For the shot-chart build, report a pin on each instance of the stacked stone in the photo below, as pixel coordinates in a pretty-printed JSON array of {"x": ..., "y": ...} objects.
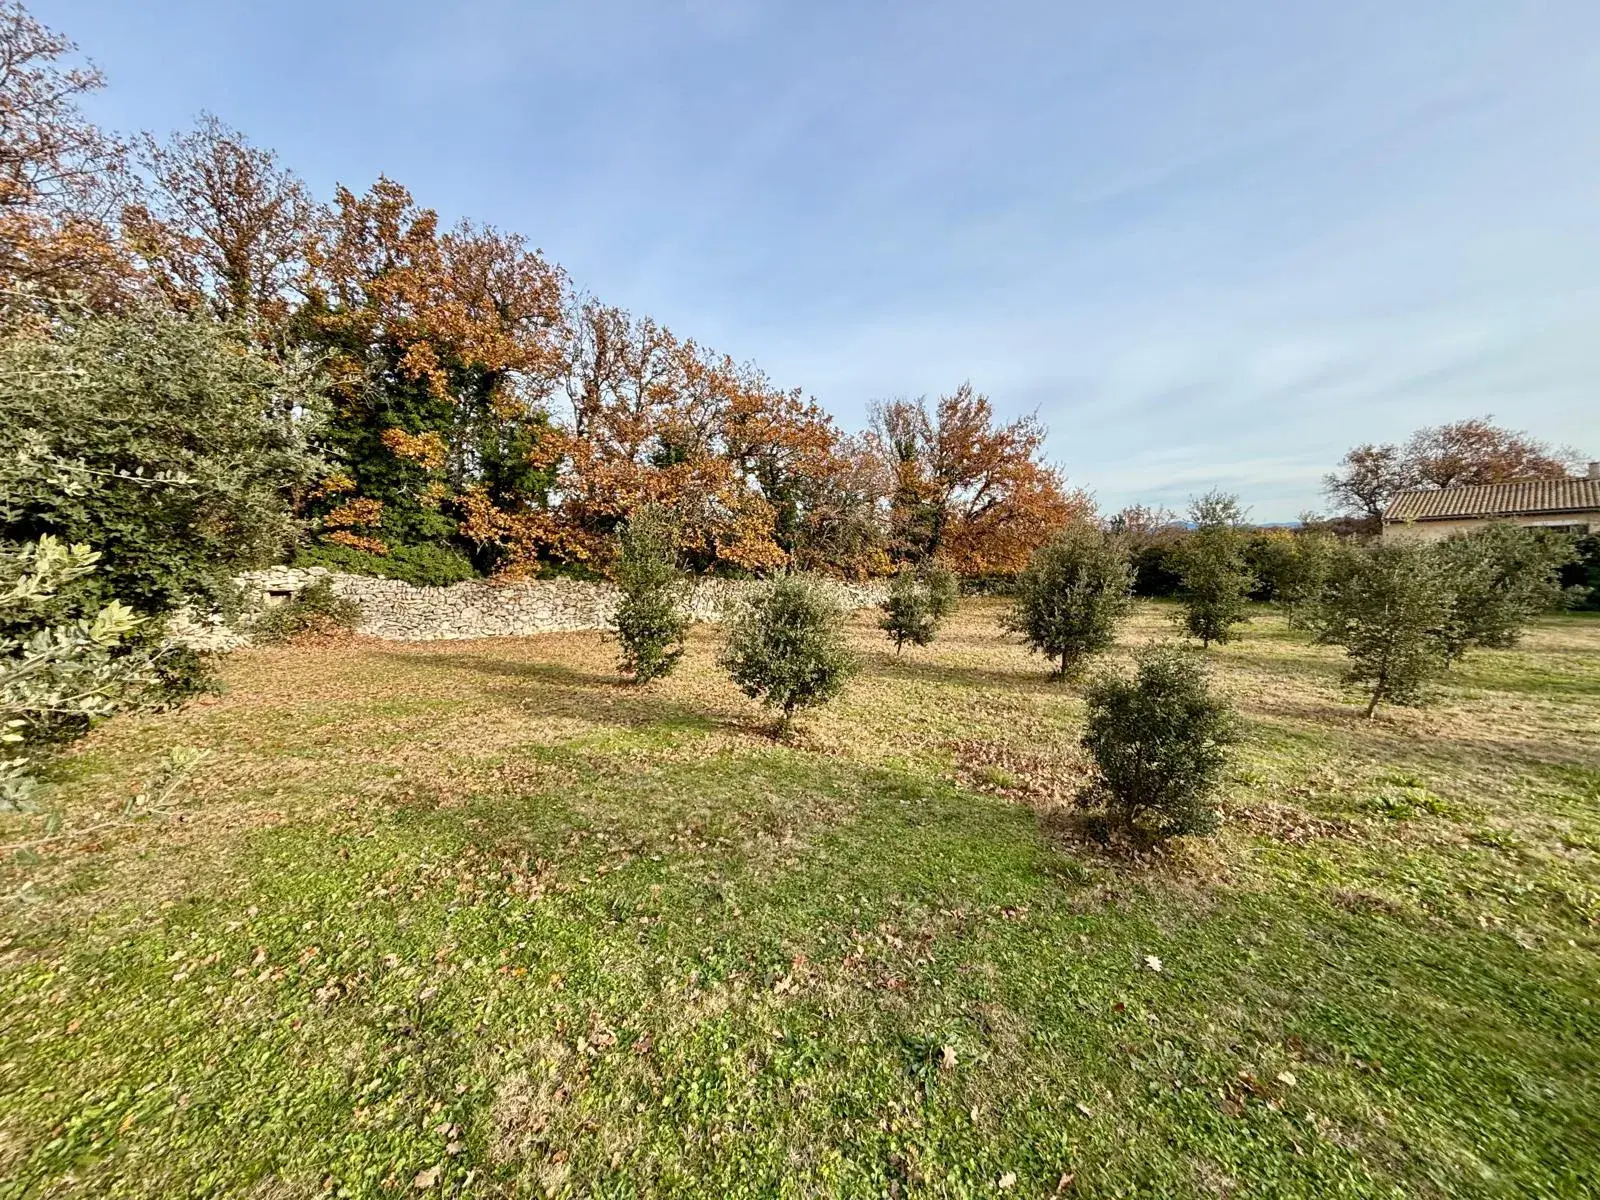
[{"x": 479, "y": 608}]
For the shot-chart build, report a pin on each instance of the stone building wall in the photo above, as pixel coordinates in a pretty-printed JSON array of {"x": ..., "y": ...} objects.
[
  {"x": 1436, "y": 531},
  {"x": 478, "y": 608}
]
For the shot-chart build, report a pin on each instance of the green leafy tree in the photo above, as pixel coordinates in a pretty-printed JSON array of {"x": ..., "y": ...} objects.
[
  {"x": 1159, "y": 743},
  {"x": 1504, "y": 576},
  {"x": 1393, "y": 607},
  {"x": 1217, "y": 580},
  {"x": 651, "y": 620},
  {"x": 944, "y": 590},
  {"x": 169, "y": 444},
  {"x": 908, "y": 611},
  {"x": 1303, "y": 574},
  {"x": 1072, "y": 595},
  {"x": 787, "y": 648}
]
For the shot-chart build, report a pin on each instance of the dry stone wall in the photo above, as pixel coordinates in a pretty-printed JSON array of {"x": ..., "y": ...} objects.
[{"x": 478, "y": 608}]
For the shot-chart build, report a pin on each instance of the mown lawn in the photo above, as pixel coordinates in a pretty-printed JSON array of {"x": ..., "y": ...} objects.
[{"x": 475, "y": 919}]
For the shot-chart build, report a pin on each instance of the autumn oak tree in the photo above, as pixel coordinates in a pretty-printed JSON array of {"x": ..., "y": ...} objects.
[
  {"x": 59, "y": 173},
  {"x": 1456, "y": 454},
  {"x": 966, "y": 490}
]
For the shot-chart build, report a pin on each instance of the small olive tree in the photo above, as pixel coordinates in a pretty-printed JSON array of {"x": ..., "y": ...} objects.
[
  {"x": 651, "y": 621},
  {"x": 787, "y": 649},
  {"x": 908, "y": 611},
  {"x": 1504, "y": 576},
  {"x": 1216, "y": 576},
  {"x": 1393, "y": 607},
  {"x": 1304, "y": 573},
  {"x": 1160, "y": 745},
  {"x": 1072, "y": 595},
  {"x": 944, "y": 590}
]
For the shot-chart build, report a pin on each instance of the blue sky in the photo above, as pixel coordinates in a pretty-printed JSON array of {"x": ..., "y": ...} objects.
[{"x": 1211, "y": 243}]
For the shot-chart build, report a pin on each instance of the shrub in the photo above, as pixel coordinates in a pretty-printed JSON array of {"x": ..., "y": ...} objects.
[
  {"x": 169, "y": 444},
  {"x": 423, "y": 565},
  {"x": 650, "y": 622},
  {"x": 1393, "y": 609},
  {"x": 1159, "y": 744},
  {"x": 1303, "y": 574},
  {"x": 60, "y": 673},
  {"x": 1504, "y": 576},
  {"x": 317, "y": 609},
  {"x": 908, "y": 611},
  {"x": 1217, "y": 581},
  {"x": 787, "y": 648},
  {"x": 1072, "y": 595},
  {"x": 944, "y": 590}
]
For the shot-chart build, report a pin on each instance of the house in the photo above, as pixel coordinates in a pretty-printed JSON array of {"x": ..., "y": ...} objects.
[{"x": 1570, "y": 504}]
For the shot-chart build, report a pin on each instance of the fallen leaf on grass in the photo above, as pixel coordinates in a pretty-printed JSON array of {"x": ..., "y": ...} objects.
[
  {"x": 1008, "y": 1180},
  {"x": 947, "y": 1057},
  {"x": 426, "y": 1179}
]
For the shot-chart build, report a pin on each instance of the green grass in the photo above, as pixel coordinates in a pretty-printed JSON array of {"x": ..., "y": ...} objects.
[{"x": 479, "y": 918}]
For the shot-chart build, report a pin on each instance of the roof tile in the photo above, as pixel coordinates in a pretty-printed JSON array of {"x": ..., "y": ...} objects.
[{"x": 1522, "y": 497}]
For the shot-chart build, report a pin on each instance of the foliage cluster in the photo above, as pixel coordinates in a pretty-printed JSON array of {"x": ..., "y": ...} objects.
[
  {"x": 1072, "y": 595},
  {"x": 315, "y": 610},
  {"x": 421, "y": 565},
  {"x": 651, "y": 619},
  {"x": 63, "y": 668},
  {"x": 787, "y": 649},
  {"x": 1159, "y": 743}
]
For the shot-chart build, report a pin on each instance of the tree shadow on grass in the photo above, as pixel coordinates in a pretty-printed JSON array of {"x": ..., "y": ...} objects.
[
  {"x": 912, "y": 669},
  {"x": 547, "y": 672},
  {"x": 535, "y": 689}
]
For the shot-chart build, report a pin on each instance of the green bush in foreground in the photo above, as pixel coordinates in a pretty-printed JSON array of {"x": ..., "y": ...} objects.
[
  {"x": 59, "y": 675},
  {"x": 787, "y": 648},
  {"x": 1160, "y": 744},
  {"x": 1072, "y": 596},
  {"x": 650, "y": 621},
  {"x": 317, "y": 609}
]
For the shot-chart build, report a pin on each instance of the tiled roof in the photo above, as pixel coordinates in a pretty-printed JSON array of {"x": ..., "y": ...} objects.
[{"x": 1523, "y": 497}]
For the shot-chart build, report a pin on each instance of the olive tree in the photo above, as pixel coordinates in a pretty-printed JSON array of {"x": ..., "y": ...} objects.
[
  {"x": 908, "y": 611},
  {"x": 1393, "y": 607},
  {"x": 1159, "y": 743},
  {"x": 651, "y": 620},
  {"x": 786, "y": 647},
  {"x": 172, "y": 445},
  {"x": 1072, "y": 595},
  {"x": 1504, "y": 576},
  {"x": 1216, "y": 576}
]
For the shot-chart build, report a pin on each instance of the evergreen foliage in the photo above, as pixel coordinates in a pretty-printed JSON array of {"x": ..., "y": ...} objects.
[
  {"x": 1159, "y": 743},
  {"x": 909, "y": 614},
  {"x": 787, "y": 648},
  {"x": 1394, "y": 610},
  {"x": 1072, "y": 595},
  {"x": 1504, "y": 576},
  {"x": 1217, "y": 580},
  {"x": 426, "y": 565},
  {"x": 169, "y": 443},
  {"x": 316, "y": 609},
  {"x": 651, "y": 621}
]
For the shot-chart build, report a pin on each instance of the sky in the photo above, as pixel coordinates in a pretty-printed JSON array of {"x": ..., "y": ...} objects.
[{"x": 1212, "y": 243}]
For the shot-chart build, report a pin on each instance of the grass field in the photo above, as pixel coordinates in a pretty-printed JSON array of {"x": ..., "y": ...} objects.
[{"x": 476, "y": 919}]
